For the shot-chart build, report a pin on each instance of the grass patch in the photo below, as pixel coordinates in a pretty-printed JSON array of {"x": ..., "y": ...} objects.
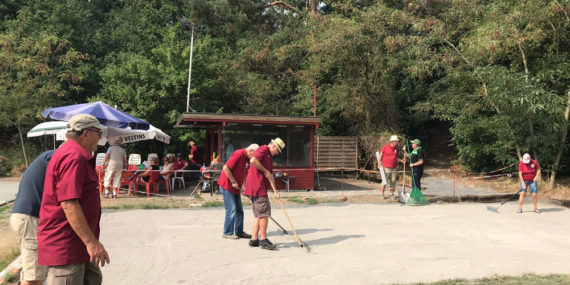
[
  {"x": 10, "y": 278},
  {"x": 6, "y": 208},
  {"x": 526, "y": 279},
  {"x": 127, "y": 206},
  {"x": 312, "y": 201},
  {"x": 296, "y": 199},
  {"x": 212, "y": 204},
  {"x": 151, "y": 206},
  {"x": 111, "y": 207},
  {"x": 7, "y": 257},
  {"x": 197, "y": 196}
]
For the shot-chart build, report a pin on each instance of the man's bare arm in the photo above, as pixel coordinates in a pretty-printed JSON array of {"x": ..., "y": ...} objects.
[
  {"x": 230, "y": 175},
  {"x": 74, "y": 214}
]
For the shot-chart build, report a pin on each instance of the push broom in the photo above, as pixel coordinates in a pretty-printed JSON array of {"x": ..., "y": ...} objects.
[{"x": 496, "y": 210}]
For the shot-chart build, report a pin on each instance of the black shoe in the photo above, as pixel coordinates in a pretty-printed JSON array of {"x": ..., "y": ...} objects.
[
  {"x": 266, "y": 244},
  {"x": 254, "y": 243},
  {"x": 244, "y": 235}
]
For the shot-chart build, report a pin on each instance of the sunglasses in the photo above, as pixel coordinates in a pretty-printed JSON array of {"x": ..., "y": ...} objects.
[{"x": 97, "y": 131}]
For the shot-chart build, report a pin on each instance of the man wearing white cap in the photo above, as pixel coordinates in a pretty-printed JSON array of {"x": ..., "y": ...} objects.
[
  {"x": 388, "y": 160},
  {"x": 259, "y": 178},
  {"x": 529, "y": 172},
  {"x": 68, "y": 232}
]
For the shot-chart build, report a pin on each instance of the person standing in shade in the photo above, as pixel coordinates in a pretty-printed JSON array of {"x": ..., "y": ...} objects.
[
  {"x": 529, "y": 172},
  {"x": 389, "y": 161},
  {"x": 25, "y": 217},
  {"x": 68, "y": 233},
  {"x": 231, "y": 184},
  {"x": 259, "y": 179},
  {"x": 229, "y": 147},
  {"x": 417, "y": 162},
  {"x": 196, "y": 160},
  {"x": 114, "y": 162}
]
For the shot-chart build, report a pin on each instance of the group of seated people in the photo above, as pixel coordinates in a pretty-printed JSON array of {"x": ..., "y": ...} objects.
[{"x": 171, "y": 163}]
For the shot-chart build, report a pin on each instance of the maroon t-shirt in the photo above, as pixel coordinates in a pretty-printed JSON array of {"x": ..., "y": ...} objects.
[
  {"x": 196, "y": 155},
  {"x": 238, "y": 164},
  {"x": 390, "y": 157},
  {"x": 70, "y": 175},
  {"x": 257, "y": 184},
  {"x": 180, "y": 164},
  {"x": 529, "y": 170}
]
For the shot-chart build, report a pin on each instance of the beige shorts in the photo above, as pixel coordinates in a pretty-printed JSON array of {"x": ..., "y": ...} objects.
[
  {"x": 114, "y": 175},
  {"x": 26, "y": 228},
  {"x": 82, "y": 273},
  {"x": 391, "y": 177},
  {"x": 261, "y": 207}
]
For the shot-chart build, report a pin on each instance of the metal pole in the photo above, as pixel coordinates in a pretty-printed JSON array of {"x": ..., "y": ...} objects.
[{"x": 190, "y": 72}]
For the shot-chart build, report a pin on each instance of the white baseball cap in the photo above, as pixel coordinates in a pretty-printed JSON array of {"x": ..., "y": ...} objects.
[{"x": 526, "y": 158}]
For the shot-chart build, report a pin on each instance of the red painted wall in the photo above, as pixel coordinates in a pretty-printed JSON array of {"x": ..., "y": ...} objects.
[{"x": 304, "y": 178}]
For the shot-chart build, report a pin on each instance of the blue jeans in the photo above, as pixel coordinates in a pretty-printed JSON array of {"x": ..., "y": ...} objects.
[
  {"x": 233, "y": 224},
  {"x": 533, "y": 186}
]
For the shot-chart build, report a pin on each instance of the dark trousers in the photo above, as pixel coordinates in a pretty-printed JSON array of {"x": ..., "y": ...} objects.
[{"x": 418, "y": 173}]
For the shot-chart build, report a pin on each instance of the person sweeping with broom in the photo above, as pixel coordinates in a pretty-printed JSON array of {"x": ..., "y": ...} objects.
[
  {"x": 259, "y": 179},
  {"x": 529, "y": 172}
]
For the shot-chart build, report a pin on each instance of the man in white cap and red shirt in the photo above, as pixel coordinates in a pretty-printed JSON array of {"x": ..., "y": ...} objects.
[
  {"x": 389, "y": 161},
  {"x": 529, "y": 172},
  {"x": 259, "y": 179},
  {"x": 231, "y": 185},
  {"x": 68, "y": 232}
]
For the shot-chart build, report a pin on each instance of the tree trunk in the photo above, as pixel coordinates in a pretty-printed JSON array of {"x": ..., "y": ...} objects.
[
  {"x": 561, "y": 147},
  {"x": 314, "y": 6},
  {"x": 529, "y": 120},
  {"x": 22, "y": 142}
]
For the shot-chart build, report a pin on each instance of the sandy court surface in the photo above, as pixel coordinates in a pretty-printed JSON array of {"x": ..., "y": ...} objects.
[{"x": 350, "y": 244}]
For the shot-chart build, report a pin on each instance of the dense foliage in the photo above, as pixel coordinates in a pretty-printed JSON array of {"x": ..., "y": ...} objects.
[{"x": 497, "y": 71}]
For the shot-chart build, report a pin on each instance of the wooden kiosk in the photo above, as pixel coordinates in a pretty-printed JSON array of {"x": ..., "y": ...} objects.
[{"x": 227, "y": 132}]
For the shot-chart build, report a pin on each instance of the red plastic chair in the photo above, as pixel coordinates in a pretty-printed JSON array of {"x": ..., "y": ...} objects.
[
  {"x": 166, "y": 183},
  {"x": 126, "y": 176},
  {"x": 154, "y": 179},
  {"x": 100, "y": 176}
]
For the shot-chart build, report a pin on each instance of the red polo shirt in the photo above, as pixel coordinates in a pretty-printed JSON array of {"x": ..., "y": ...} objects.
[
  {"x": 180, "y": 164},
  {"x": 70, "y": 175},
  {"x": 257, "y": 184},
  {"x": 390, "y": 157},
  {"x": 238, "y": 164},
  {"x": 529, "y": 170}
]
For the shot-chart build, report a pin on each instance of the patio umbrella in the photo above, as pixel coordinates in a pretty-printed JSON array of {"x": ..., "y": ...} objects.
[
  {"x": 55, "y": 128},
  {"x": 127, "y": 135},
  {"x": 107, "y": 115},
  {"x": 47, "y": 128}
]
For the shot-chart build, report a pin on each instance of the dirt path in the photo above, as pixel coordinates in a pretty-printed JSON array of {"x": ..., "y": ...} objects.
[{"x": 350, "y": 243}]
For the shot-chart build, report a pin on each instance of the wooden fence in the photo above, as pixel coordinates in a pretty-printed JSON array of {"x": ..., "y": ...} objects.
[{"x": 336, "y": 152}]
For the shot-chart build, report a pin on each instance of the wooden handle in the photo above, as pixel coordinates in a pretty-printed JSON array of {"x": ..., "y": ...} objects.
[{"x": 289, "y": 220}]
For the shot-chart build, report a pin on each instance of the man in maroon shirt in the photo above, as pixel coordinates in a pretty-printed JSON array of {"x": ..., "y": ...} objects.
[
  {"x": 259, "y": 178},
  {"x": 389, "y": 162},
  {"x": 195, "y": 157},
  {"x": 231, "y": 184},
  {"x": 68, "y": 232},
  {"x": 529, "y": 172}
]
